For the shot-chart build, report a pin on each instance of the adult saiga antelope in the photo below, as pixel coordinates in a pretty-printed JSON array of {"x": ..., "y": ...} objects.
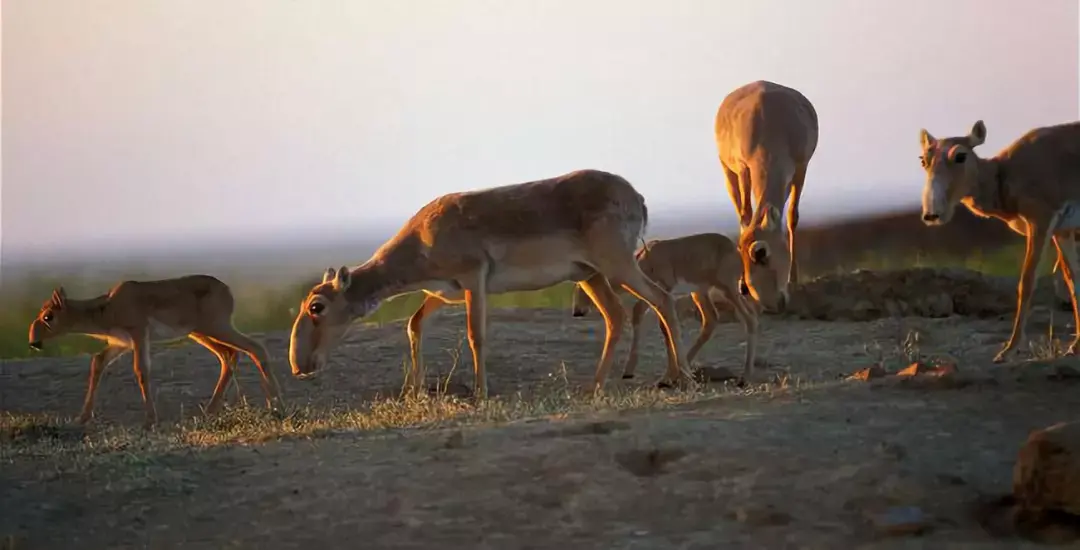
[
  {"x": 1033, "y": 185},
  {"x": 581, "y": 226},
  {"x": 707, "y": 263},
  {"x": 766, "y": 134},
  {"x": 135, "y": 314}
]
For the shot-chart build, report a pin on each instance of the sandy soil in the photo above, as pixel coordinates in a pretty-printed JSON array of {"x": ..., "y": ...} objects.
[{"x": 807, "y": 468}]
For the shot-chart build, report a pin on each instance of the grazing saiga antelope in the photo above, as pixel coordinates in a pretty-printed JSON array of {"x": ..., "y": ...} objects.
[
  {"x": 581, "y": 226},
  {"x": 135, "y": 314},
  {"x": 709, "y": 264},
  {"x": 1033, "y": 185},
  {"x": 766, "y": 134}
]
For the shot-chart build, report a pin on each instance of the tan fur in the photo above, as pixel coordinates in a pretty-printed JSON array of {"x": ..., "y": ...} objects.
[
  {"x": 766, "y": 134},
  {"x": 1026, "y": 185},
  {"x": 707, "y": 262},
  {"x": 135, "y": 314},
  {"x": 582, "y": 226}
]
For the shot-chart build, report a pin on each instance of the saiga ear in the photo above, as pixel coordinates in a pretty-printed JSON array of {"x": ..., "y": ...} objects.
[
  {"x": 977, "y": 135},
  {"x": 342, "y": 280},
  {"x": 925, "y": 139},
  {"x": 328, "y": 275},
  {"x": 59, "y": 297}
]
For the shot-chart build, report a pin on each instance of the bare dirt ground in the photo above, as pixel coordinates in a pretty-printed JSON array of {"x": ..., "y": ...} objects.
[{"x": 813, "y": 462}]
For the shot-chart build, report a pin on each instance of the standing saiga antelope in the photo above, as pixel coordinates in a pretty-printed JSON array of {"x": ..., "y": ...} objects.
[
  {"x": 766, "y": 134},
  {"x": 1033, "y": 185},
  {"x": 709, "y": 264},
  {"x": 581, "y": 226},
  {"x": 135, "y": 314}
]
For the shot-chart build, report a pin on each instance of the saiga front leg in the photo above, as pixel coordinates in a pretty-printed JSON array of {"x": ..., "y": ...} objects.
[
  {"x": 793, "y": 221},
  {"x": 1067, "y": 261},
  {"x": 414, "y": 382},
  {"x": 1038, "y": 234},
  {"x": 98, "y": 363},
  {"x": 740, "y": 194}
]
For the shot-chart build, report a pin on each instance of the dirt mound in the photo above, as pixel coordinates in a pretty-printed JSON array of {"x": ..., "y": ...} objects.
[{"x": 923, "y": 292}]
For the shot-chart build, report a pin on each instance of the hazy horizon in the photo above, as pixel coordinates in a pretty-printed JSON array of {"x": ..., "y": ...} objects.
[{"x": 129, "y": 123}]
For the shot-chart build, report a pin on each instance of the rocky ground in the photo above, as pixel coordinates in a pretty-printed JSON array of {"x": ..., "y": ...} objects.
[{"x": 806, "y": 457}]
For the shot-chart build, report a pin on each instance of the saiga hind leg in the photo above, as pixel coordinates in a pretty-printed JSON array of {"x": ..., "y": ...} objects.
[
  {"x": 708, "y": 322},
  {"x": 636, "y": 315},
  {"x": 141, "y": 366},
  {"x": 227, "y": 357},
  {"x": 230, "y": 337},
  {"x": 743, "y": 307}
]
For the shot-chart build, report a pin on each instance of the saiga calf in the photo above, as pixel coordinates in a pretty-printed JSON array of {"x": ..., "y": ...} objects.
[
  {"x": 709, "y": 264},
  {"x": 135, "y": 314}
]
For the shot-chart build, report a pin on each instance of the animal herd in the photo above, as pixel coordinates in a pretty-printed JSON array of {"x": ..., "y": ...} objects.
[{"x": 586, "y": 226}]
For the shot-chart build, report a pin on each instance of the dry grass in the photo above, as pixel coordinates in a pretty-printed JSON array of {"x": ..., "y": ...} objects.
[{"x": 800, "y": 456}]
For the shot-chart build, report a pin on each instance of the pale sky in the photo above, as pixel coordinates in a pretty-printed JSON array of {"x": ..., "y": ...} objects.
[{"x": 140, "y": 121}]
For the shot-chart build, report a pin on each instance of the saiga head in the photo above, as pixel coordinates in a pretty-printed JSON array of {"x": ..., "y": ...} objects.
[
  {"x": 764, "y": 252},
  {"x": 324, "y": 316},
  {"x": 951, "y": 172},
  {"x": 54, "y": 319}
]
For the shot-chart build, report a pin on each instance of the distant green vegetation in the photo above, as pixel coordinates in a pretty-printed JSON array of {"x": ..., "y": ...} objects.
[
  {"x": 1001, "y": 261},
  {"x": 262, "y": 308}
]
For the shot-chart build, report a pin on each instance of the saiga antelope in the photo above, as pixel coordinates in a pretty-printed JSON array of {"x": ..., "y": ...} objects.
[
  {"x": 581, "y": 226},
  {"x": 1033, "y": 185},
  {"x": 766, "y": 134},
  {"x": 133, "y": 315},
  {"x": 709, "y": 264}
]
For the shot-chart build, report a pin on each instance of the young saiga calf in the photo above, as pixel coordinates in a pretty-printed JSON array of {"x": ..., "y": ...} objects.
[
  {"x": 1033, "y": 185},
  {"x": 136, "y": 314},
  {"x": 707, "y": 263},
  {"x": 766, "y": 134},
  {"x": 461, "y": 247}
]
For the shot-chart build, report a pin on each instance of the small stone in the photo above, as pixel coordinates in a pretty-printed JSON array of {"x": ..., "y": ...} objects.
[
  {"x": 891, "y": 450},
  {"x": 935, "y": 380},
  {"x": 901, "y": 489},
  {"x": 714, "y": 374},
  {"x": 916, "y": 368},
  {"x": 945, "y": 369},
  {"x": 1065, "y": 372},
  {"x": 1046, "y": 476},
  {"x": 456, "y": 440},
  {"x": 864, "y": 310},
  {"x": 869, "y": 373},
  {"x": 902, "y": 520},
  {"x": 761, "y": 516}
]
